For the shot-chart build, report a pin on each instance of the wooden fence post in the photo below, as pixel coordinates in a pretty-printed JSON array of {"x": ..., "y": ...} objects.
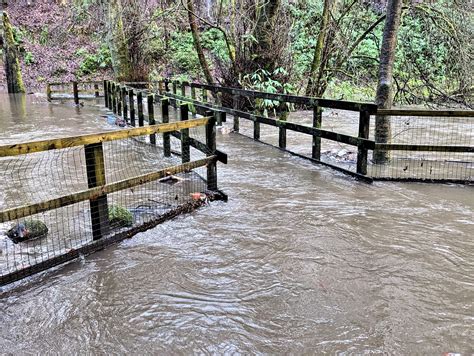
[
  {"x": 123, "y": 96},
  {"x": 317, "y": 123},
  {"x": 165, "y": 118},
  {"x": 193, "y": 92},
  {"x": 174, "y": 102},
  {"x": 118, "y": 94},
  {"x": 109, "y": 91},
  {"x": 141, "y": 118},
  {"x": 282, "y": 136},
  {"x": 48, "y": 92},
  {"x": 106, "y": 94},
  {"x": 211, "y": 146},
  {"x": 235, "y": 106},
  {"x": 96, "y": 89},
  {"x": 151, "y": 116},
  {"x": 95, "y": 178},
  {"x": 131, "y": 101},
  {"x": 114, "y": 99},
  {"x": 185, "y": 146},
  {"x": 362, "y": 153},
  {"x": 256, "y": 130},
  {"x": 183, "y": 89},
  {"x": 75, "y": 92}
]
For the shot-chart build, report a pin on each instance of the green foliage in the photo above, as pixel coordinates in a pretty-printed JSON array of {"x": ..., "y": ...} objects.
[
  {"x": 120, "y": 216},
  {"x": 182, "y": 54},
  {"x": 263, "y": 80},
  {"x": 29, "y": 58},
  {"x": 44, "y": 36},
  {"x": 92, "y": 62}
]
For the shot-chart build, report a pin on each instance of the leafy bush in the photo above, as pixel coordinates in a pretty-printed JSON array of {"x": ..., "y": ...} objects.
[{"x": 92, "y": 62}]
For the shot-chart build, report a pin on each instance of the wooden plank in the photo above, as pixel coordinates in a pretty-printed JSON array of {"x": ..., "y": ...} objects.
[
  {"x": 66, "y": 142},
  {"x": 94, "y": 193},
  {"x": 428, "y": 113}
]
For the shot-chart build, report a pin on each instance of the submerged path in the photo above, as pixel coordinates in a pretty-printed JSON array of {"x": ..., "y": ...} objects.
[{"x": 301, "y": 259}]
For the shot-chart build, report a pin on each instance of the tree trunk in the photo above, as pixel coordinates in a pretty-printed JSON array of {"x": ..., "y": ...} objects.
[
  {"x": 11, "y": 62},
  {"x": 316, "y": 70},
  {"x": 264, "y": 32},
  {"x": 197, "y": 43},
  {"x": 384, "y": 96},
  {"x": 118, "y": 45}
]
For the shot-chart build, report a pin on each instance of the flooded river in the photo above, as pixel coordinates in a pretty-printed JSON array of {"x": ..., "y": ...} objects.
[{"x": 301, "y": 260}]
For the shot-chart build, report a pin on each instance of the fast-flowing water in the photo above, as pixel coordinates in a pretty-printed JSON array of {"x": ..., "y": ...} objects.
[{"x": 302, "y": 259}]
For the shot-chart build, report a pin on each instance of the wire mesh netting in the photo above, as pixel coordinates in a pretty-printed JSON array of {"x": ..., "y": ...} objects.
[
  {"x": 430, "y": 165},
  {"x": 38, "y": 177}
]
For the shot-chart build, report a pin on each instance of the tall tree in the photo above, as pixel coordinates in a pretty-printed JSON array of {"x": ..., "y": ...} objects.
[
  {"x": 384, "y": 96},
  {"x": 197, "y": 42},
  {"x": 118, "y": 42},
  {"x": 11, "y": 62},
  {"x": 317, "y": 69}
]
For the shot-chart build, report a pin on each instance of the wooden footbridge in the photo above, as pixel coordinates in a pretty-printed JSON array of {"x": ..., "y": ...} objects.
[
  {"x": 426, "y": 145},
  {"x": 107, "y": 191}
]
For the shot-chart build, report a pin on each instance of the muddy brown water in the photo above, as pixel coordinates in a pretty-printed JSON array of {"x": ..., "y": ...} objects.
[{"x": 301, "y": 260}]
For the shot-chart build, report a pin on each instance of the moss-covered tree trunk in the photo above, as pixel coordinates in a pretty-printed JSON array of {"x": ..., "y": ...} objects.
[
  {"x": 118, "y": 45},
  {"x": 267, "y": 15},
  {"x": 317, "y": 69},
  {"x": 384, "y": 96},
  {"x": 197, "y": 42},
  {"x": 11, "y": 62}
]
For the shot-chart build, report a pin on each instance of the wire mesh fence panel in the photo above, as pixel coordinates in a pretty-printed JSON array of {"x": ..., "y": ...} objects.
[
  {"x": 58, "y": 203},
  {"x": 437, "y": 162}
]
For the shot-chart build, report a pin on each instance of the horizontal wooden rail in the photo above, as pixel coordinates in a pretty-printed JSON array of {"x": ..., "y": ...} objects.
[
  {"x": 428, "y": 113},
  {"x": 329, "y": 135},
  {"x": 294, "y": 99},
  {"x": 65, "y": 142},
  {"x": 94, "y": 193},
  {"x": 428, "y": 148}
]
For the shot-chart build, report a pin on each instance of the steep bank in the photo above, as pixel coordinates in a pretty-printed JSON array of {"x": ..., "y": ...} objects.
[{"x": 56, "y": 43}]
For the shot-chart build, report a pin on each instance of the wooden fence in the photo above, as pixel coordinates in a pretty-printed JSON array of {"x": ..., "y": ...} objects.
[
  {"x": 200, "y": 94},
  {"x": 74, "y": 90},
  {"x": 98, "y": 189}
]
